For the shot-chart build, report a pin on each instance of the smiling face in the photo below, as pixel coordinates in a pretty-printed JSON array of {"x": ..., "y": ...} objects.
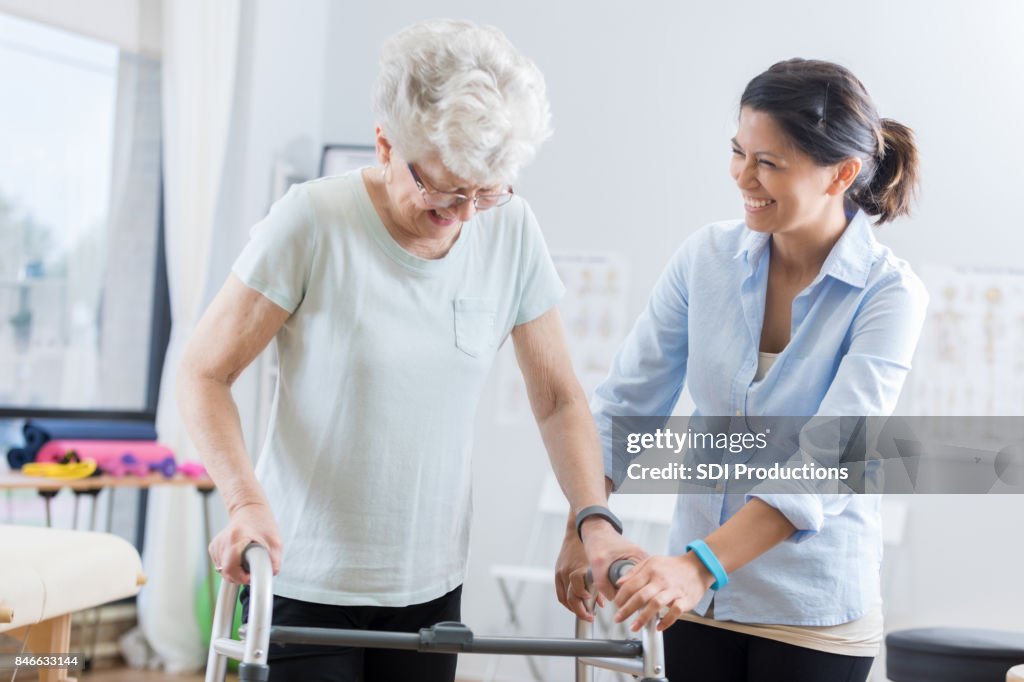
[
  {"x": 783, "y": 189},
  {"x": 409, "y": 211}
]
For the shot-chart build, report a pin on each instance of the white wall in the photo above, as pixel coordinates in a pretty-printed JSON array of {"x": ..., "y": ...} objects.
[
  {"x": 644, "y": 98},
  {"x": 278, "y": 108},
  {"x": 133, "y": 25}
]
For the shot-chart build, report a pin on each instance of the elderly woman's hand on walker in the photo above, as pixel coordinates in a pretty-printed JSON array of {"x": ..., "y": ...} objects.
[
  {"x": 251, "y": 522},
  {"x": 601, "y": 546}
]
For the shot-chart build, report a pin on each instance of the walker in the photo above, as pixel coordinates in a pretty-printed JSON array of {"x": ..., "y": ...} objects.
[{"x": 643, "y": 658}]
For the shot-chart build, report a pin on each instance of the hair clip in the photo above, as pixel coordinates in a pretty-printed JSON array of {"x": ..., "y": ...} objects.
[{"x": 823, "y": 119}]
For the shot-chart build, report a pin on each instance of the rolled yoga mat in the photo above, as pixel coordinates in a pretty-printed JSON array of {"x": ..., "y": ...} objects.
[
  {"x": 147, "y": 452},
  {"x": 18, "y": 457},
  {"x": 40, "y": 431}
]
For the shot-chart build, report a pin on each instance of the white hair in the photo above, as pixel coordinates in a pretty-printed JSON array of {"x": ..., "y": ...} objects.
[{"x": 464, "y": 92}]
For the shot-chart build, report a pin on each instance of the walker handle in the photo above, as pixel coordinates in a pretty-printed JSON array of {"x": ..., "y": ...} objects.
[
  {"x": 252, "y": 650},
  {"x": 619, "y": 568},
  {"x": 615, "y": 572},
  {"x": 245, "y": 561}
]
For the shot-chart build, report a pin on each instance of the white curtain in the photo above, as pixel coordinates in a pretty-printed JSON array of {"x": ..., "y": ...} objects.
[{"x": 200, "y": 51}]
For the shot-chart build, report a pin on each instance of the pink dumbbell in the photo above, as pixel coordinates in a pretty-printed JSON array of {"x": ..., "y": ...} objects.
[{"x": 192, "y": 469}]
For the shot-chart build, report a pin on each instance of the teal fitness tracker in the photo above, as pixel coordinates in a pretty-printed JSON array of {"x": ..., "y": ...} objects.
[
  {"x": 708, "y": 558},
  {"x": 596, "y": 510}
]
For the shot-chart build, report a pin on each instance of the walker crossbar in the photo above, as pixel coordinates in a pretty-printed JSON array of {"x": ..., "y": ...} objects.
[
  {"x": 423, "y": 641},
  {"x": 643, "y": 658}
]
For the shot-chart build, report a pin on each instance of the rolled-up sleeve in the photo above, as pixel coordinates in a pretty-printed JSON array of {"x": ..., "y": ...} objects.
[{"x": 805, "y": 510}]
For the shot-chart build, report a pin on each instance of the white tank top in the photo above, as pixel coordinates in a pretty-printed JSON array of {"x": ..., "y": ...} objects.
[{"x": 764, "y": 363}]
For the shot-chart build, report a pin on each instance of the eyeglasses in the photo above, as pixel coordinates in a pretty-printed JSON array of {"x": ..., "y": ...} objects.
[{"x": 438, "y": 199}]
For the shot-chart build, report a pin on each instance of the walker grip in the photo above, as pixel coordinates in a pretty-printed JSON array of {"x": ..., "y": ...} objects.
[
  {"x": 245, "y": 562},
  {"x": 619, "y": 569},
  {"x": 446, "y": 636},
  {"x": 615, "y": 572}
]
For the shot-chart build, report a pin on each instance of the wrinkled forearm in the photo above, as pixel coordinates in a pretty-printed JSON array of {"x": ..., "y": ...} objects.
[
  {"x": 211, "y": 418},
  {"x": 571, "y": 441}
]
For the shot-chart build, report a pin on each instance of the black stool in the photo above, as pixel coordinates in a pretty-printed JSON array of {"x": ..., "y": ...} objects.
[{"x": 952, "y": 655}]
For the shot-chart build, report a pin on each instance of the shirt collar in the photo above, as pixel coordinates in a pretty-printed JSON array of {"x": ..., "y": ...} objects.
[
  {"x": 849, "y": 261},
  {"x": 752, "y": 247}
]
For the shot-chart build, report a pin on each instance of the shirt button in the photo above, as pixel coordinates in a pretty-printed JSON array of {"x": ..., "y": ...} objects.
[
  {"x": 739, "y": 413},
  {"x": 718, "y": 487}
]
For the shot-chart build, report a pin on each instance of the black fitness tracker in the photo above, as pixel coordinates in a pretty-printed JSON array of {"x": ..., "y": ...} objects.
[{"x": 597, "y": 510}]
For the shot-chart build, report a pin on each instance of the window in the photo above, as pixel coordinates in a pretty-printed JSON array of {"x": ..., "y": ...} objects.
[{"x": 83, "y": 313}]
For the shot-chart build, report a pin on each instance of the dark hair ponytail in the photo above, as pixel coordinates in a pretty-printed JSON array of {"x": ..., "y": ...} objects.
[
  {"x": 828, "y": 115},
  {"x": 891, "y": 189}
]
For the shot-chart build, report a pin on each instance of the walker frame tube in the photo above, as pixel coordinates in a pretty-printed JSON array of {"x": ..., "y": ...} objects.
[{"x": 637, "y": 657}]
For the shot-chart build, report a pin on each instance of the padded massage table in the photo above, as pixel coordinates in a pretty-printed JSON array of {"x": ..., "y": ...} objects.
[{"x": 47, "y": 574}]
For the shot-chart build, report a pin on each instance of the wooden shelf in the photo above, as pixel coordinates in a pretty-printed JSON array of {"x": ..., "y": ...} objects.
[{"x": 14, "y": 480}]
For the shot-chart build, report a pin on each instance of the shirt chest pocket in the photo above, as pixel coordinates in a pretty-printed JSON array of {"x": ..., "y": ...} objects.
[{"x": 474, "y": 325}]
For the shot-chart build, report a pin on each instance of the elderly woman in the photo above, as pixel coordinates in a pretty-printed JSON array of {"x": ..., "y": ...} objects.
[{"x": 389, "y": 291}]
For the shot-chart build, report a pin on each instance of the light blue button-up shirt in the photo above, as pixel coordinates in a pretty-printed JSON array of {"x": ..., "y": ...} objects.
[{"x": 854, "y": 330}]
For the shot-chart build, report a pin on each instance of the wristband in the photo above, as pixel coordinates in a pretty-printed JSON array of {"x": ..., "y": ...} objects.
[
  {"x": 597, "y": 510},
  {"x": 708, "y": 558}
]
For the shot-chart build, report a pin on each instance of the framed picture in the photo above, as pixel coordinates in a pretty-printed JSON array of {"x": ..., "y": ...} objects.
[
  {"x": 342, "y": 158},
  {"x": 284, "y": 176}
]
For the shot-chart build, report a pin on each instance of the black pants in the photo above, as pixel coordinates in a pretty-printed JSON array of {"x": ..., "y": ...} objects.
[
  {"x": 309, "y": 663},
  {"x": 709, "y": 654}
]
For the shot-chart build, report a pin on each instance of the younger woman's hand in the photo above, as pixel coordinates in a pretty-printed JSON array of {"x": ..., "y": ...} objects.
[{"x": 663, "y": 588}]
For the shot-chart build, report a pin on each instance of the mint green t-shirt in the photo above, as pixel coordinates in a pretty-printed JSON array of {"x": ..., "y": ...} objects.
[{"x": 382, "y": 363}]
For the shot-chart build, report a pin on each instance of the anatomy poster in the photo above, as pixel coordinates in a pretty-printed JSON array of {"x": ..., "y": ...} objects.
[{"x": 970, "y": 360}]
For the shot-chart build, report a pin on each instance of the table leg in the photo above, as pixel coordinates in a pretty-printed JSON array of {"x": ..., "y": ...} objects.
[
  {"x": 208, "y": 536},
  {"x": 110, "y": 509},
  {"x": 51, "y": 636},
  {"x": 95, "y": 612},
  {"x": 47, "y": 496}
]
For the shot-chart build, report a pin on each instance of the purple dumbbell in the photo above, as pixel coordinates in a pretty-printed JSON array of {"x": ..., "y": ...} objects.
[
  {"x": 132, "y": 465},
  {"x": 167, "y": 467}
]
